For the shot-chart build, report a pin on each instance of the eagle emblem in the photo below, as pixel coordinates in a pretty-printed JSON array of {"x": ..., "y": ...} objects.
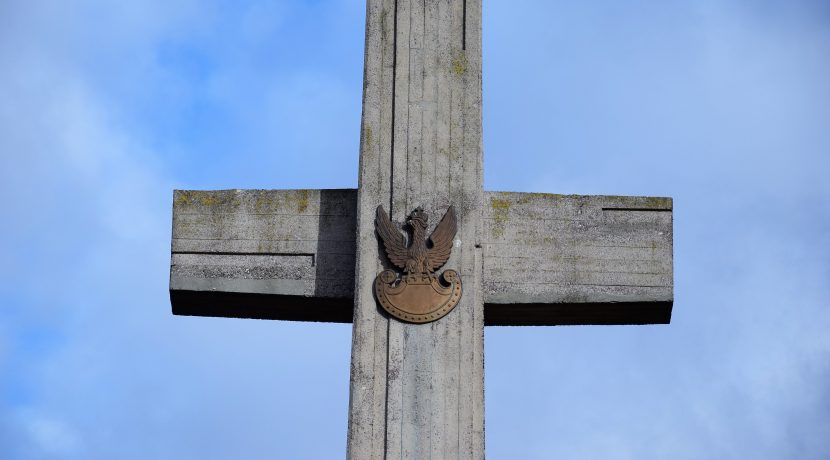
[{"x": 418, "y": 296}]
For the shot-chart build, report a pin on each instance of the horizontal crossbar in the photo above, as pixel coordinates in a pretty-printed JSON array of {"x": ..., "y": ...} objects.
[{"x": 547, "y": 259}]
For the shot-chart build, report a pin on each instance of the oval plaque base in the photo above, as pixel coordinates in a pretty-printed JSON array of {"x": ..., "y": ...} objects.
[{"x": 420, "y": 298}]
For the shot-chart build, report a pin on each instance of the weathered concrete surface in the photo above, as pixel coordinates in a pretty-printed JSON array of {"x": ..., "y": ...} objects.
[
  {"x": 276, "y": 254},
  {"x": 547, "y": 259},
  {"x": 570, "y": 259},
  {"x": 417, "y": 390}
]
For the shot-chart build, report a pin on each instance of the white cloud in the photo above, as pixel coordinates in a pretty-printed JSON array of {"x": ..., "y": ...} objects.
[
  {"x": 719, "y": 106},
  {"x": 100, "y": 367},
  {"x": 50, "y": 437}
]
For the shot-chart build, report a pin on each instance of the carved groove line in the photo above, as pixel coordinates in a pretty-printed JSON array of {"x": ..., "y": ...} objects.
[
  {"x": 394, "y": 86},
  {"x": 464, "y": 27}
]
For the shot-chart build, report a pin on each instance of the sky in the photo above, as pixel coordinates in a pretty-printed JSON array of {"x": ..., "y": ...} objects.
[{"x": 107, "y": 106}]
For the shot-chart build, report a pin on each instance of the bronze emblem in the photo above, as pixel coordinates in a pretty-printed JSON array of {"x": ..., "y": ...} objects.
[{"x": 418, "y": 296}]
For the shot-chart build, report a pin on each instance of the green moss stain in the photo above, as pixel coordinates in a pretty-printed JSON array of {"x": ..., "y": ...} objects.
[
  {"x": 368, "y": 138},
  {"x": 189, "y": 197},
  {"x": 262, "y": 203},
  {"x": 501, "y": 210},
  {"x": 214, "y": 199},
  {"x": 500, "y": 206},
  {"x": 459, "y": 64},
  {"x": 182, "y": 198},
  {"x": 302, "y": 201},
  {"x": 208, "y": 199},
  {"x": 657, "y": 203}
]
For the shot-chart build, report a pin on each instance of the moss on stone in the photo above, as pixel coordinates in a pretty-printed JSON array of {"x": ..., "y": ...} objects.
[
  {"x": 501, "y": 209},
  {"x": 262, "y": 202},
  {"x": 459, "y": 64},
  {"x": 368, "y": 138},
  {"x": 302, "y": 201},
  {"x": 652, "y": 202},
  {"x": 182, "y": 198},
  {"x": 208, "y": 199}
]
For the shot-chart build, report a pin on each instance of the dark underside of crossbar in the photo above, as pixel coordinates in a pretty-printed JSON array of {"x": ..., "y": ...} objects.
[
  {"x": 572, "y": 314},
  {"x": 261, "y": 306},
  {"x": 339, "y": 310}
]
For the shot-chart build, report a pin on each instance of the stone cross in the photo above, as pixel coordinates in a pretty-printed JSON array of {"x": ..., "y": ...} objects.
[{"x": 417, "y": 390}]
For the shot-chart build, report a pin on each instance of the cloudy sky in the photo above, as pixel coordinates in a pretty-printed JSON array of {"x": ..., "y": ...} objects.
[{"x": 107, "y": 106}]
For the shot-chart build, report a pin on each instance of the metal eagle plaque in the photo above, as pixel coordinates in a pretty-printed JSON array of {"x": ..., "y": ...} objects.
[{"x": 418, "y": 296}]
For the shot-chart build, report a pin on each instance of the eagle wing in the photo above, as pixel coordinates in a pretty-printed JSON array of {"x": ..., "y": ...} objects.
[
  {"x": 392, "y": 238},
  {"x": 442, "y": 239}
]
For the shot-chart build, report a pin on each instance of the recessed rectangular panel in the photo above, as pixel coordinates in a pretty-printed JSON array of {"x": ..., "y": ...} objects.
[{"x": 264, "y": 253}]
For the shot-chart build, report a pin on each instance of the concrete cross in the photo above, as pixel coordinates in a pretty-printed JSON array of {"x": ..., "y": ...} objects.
[{"x": 417, "y": 390}]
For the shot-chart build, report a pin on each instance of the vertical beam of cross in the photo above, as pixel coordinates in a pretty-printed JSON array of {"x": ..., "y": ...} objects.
[
  {"x": 417, "y": 390},
  {"x": 536, "y": 259}
]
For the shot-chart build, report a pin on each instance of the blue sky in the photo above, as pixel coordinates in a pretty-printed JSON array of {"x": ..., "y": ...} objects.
[{"x": 108, "y": 106}]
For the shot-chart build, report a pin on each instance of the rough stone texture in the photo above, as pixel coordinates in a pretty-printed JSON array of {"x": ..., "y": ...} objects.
[
  {"x": 277, "y": 254},
  {"x": 417, "y": 390},
  {"x": 569, "y": 259},
  {"x": 547, "y": 259}
]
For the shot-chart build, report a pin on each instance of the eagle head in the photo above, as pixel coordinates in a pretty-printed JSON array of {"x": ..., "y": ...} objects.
[{"x": 418, "y": 217}]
